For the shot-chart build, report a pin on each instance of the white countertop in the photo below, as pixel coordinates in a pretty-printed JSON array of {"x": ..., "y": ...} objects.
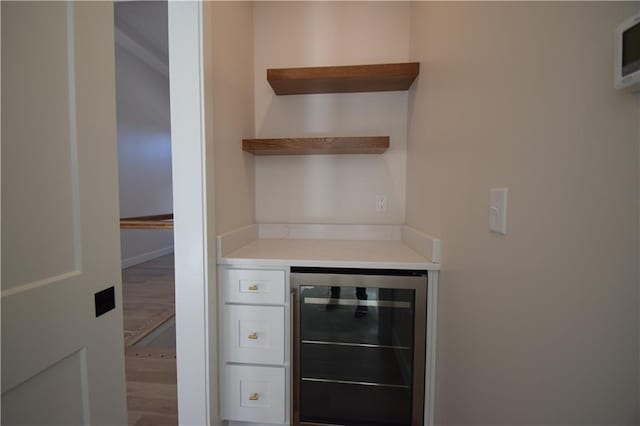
[{"x": 389, "y": 254}]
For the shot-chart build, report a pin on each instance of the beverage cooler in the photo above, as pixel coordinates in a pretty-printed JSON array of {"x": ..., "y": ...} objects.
[{"x": 359, "y": 346}]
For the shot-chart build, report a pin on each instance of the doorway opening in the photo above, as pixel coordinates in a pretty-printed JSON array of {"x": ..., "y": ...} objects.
[{"x": 146, "y": 206}]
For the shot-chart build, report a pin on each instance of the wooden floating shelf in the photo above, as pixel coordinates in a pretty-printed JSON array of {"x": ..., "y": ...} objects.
[
  {"x": 343, "y": 79},
  {"x": 160, "y": 221},
  {"x": 308, "y": 146}
]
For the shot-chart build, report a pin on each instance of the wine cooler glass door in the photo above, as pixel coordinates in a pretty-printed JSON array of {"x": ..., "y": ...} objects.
[{"x": 358, "y": 346}]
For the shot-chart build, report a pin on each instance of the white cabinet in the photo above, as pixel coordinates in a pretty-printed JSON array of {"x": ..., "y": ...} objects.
[
  {"x": 262, "y": 287},
  {"x": 254, "y": 394},
  {"x": 254, "y": 367},
  {"x": 253, "y": 334}
]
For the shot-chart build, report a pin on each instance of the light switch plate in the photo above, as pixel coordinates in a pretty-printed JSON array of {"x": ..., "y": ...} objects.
[{"x": 498, "y": 210}]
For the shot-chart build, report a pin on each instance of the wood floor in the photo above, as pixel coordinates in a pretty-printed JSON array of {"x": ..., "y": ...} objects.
[
  {"x": 148, "y": 296},
  {"x": 148, "y": 300}
]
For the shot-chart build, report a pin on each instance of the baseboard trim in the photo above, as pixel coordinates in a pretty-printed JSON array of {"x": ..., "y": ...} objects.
[
  {"x": 425, "y": 244},
  {"x": 144, "y": 257},
  {"x": 306, "y": 231},
  {"x": 233, "y": 240}
]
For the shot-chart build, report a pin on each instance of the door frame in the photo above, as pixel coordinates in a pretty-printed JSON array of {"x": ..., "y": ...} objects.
[{"x": 194, "y": 224}]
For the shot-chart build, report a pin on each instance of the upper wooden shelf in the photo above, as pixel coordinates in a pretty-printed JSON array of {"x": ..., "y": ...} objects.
[
  {"x": 343, "y": 79},
  {"x": 160, "y": 221},
  {"x": 307, "y": 146}
]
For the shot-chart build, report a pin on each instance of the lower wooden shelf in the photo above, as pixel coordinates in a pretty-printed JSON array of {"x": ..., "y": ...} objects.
[
  {"x": 314, "y": 146},
  {"x": 160, "y": 221}
]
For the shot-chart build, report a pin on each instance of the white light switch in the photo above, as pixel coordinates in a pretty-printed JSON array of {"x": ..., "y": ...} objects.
[{"x": 498, "y": 210}]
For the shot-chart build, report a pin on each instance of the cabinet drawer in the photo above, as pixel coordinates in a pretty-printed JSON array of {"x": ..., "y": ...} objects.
[
  {"x": 253, "y": 394},
  {"x": 254, "y": 286},
  {"x": 253, "y": 334}
]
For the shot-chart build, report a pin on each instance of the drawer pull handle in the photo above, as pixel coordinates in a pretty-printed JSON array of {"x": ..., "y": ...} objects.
[
  {"x": 253, "y": 287},
  {"x": 253, "y": 336},
  {"x": 254, "y": 396}
]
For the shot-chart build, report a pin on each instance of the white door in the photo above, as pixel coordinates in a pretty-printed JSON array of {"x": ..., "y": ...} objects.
[{"x": 62, "y": 362}]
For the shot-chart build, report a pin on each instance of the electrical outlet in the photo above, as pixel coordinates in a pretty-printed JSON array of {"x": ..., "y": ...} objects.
[{"x": 381, "y": 202}]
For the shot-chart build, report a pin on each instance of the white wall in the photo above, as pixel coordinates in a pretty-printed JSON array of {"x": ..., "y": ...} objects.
[
  {"x": 638, "y": 10},
  {"x": 330, "y": 189},
  {"x": 144, "y": 145},
  {"x": 540, "y": 326},
  {"x": 232, "y": 113}
]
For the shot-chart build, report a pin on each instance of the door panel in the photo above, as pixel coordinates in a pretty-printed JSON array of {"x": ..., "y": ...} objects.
[
  {"x": 60, "y": 236},
  {"x": 37, "y": 146},
  {"x": 22, "y": 405}
]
